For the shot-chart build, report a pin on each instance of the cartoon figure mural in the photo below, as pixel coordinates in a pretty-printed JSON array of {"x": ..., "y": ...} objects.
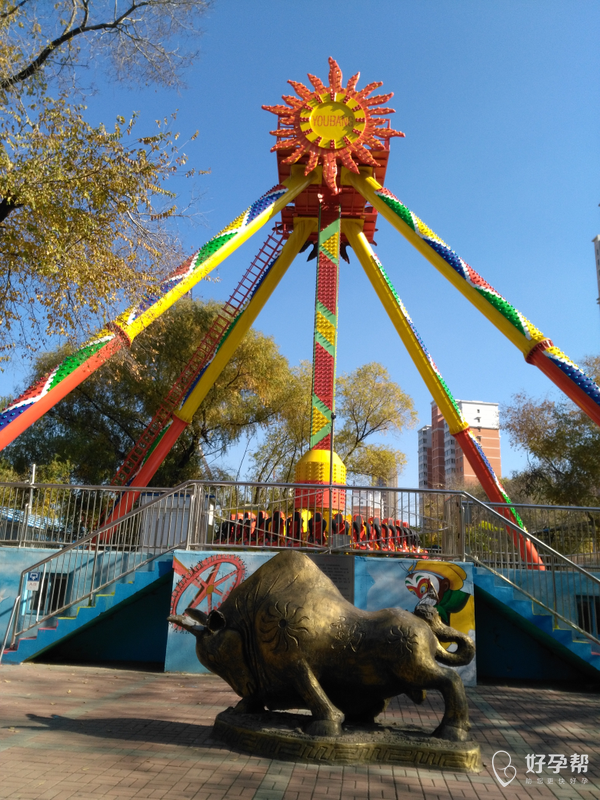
[
  {"x": 440, "y": 583},
  {"x": 403, "y": 582}
]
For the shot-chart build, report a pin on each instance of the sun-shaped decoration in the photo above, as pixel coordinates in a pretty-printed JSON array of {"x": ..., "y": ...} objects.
[{"x": 332, "y": 124}]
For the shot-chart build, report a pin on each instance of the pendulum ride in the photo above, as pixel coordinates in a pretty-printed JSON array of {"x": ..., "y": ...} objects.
[{"x": 332, "y": 146}]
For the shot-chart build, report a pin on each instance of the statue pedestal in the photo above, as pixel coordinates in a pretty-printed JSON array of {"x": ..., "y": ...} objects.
[{"x": 280, "y": 735}]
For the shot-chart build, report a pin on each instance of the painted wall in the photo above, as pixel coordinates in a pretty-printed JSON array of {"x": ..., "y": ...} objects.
[
  {"x": 13, "y": 560},
  {"x": 206, "y": 579}
]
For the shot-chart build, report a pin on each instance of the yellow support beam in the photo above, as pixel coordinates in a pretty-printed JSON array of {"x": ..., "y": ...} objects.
[
  {"x": 296, "y": 183},
  {"x": 367, "y": 186},
  {"x": 400, "y": 320},
  {"x": 303, "y": 227}
]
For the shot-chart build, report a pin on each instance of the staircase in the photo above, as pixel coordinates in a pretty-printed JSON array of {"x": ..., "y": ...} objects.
[
  {"x": 82, "y": 615},
  {"x": 542, "y": 591},
  {"x": 568, "y": 642},
  {"x": 86, "y": 580}
]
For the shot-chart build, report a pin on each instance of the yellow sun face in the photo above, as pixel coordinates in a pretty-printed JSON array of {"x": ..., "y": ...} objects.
[{"x": 332, "y": 124}]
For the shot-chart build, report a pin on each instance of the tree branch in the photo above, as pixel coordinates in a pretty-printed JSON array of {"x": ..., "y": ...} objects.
[{"x": 35, "y": 65}]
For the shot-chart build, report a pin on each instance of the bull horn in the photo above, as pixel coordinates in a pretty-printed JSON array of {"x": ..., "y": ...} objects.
[{"x": 198, "y": 615}]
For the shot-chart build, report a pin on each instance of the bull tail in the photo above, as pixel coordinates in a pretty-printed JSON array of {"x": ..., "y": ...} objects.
[{"x": 444, "y": 633}]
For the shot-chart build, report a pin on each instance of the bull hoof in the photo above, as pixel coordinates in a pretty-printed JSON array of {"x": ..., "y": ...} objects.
[
  {"x": 324, "y": 727},
  {"x": 248, "y": 705},
  {"x": 451, "y": 733}
]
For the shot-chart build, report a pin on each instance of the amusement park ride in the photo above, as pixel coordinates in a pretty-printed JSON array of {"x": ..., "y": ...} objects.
[{"x": 333, "y": 145}]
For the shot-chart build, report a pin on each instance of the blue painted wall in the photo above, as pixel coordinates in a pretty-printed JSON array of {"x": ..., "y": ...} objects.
[{"x": 13, "y": 560}]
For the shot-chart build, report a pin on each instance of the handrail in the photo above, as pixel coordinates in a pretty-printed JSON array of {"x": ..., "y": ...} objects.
[
  {"x": 553, "y": 611},
  {"x": 106, "y": 486},
  {"x": 8, "y": 627},
  {"x": 93, "y": 537},
  {"x": 595, "y": 509},
  {"x": 108, "y": 525},
  {"x": 538, "y": 542}
]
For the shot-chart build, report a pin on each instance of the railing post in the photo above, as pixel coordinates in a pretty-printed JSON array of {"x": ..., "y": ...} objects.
[
  {"x": 461, "y": 528},
  {"x": 192, "y": 517},
  {"x": 10, "y": 625},
  {"x": 95, "y": 547}
]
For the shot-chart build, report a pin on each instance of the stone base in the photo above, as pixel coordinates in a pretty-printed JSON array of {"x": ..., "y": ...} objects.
[{"x": 280, "y": 735}]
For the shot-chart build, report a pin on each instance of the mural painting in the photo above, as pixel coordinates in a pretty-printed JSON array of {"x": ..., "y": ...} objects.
[{"x": 204, "y": 581}]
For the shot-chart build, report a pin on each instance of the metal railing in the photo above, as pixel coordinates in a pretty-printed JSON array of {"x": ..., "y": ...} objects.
[
  {"x": 59, "y": 583},
  {"x": 554, "y": 581},
  {"x": 573, "y": 531},
  {"x": 384, "y": 522},
  {"x": 49, "y": 515}
]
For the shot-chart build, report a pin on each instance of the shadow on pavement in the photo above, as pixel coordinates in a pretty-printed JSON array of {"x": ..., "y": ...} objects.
[{"x": 132, "y": 729}]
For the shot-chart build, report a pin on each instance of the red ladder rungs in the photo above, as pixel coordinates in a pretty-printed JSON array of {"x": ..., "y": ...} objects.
[{"x": 202, "y": 356}]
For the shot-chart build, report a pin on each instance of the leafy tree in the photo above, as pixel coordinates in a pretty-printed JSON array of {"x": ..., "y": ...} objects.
[
  {"x": 368, "y": 403},
  {"x": 95, "y": 426},
  {"x": 83, "y": 208},
  {"x": 563, "y": 449}
]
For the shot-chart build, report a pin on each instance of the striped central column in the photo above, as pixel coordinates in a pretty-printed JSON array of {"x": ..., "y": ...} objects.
[
  {"x": 325, "y": 337},
  {"x": 314, "y": 467}
]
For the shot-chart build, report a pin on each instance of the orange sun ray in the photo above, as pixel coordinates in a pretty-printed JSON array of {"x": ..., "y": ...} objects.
[
  {"x": 378, "y": 98},
  {"x": 351, "y": 85},
  {"x": 335, "y": 76},
  {"x": 348, "y": 161},
  {"x": 370, "y": 87},
  {"x": 313, "y": 160},
  {"x": 296, "y": 155},
  {"x": 301, "y": 90},
  {"x": 317, "y": 83},
  {"x": 330, "y": 125}
]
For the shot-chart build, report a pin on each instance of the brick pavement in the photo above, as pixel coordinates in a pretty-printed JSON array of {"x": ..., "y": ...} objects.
[{"x": 94, "y": 733}]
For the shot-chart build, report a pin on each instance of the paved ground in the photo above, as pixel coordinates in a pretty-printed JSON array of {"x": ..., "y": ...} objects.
[{"x": 112, "y": 734}]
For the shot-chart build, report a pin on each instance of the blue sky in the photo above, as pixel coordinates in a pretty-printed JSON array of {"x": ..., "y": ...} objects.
[{"x": 499, "y": 102}]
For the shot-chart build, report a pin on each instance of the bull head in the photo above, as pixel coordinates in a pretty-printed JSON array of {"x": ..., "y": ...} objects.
[{"x": 218, "y": 648}]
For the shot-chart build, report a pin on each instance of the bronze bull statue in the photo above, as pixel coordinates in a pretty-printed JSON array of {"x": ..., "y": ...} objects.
[{"x": 286, "y": 638}]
